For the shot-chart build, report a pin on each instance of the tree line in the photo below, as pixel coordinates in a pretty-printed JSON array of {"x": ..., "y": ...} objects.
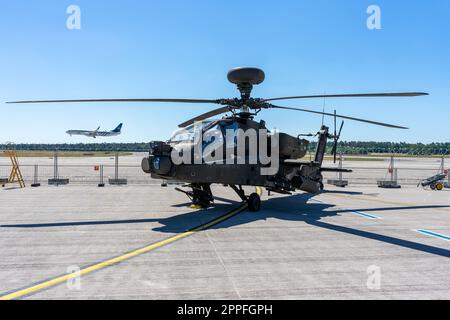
[
  {"x": 371, "y": 147},
  {"x": 82, "y": 147},
  {"x": 346, "y": 147}
]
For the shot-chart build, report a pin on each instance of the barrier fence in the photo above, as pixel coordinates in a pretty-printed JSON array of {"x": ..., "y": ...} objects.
[
  {"x": 133, "y": 174},
  {"x": 370, "y": 176},
  {"x": 81, "y": 174}
]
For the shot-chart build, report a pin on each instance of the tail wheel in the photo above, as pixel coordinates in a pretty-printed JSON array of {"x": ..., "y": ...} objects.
[
  {"x": 254, "y": 202},
  {"x": 439, "y": 186}
]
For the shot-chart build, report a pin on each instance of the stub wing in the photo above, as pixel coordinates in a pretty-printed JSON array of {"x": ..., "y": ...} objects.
[
  {"x": 298, "y": 163},
  {"x": 335, "y": 170}
]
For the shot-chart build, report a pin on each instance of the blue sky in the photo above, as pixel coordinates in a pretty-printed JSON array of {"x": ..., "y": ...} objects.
[{"x": 183, "y": 49}]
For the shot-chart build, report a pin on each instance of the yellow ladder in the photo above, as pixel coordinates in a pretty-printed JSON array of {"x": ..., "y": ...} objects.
[{"x": 16, "y": 175}]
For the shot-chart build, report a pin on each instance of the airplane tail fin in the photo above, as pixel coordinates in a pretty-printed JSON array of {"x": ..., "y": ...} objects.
[{"x": 119, "y": 127}]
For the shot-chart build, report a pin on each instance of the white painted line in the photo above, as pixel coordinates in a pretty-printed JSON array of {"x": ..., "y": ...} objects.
[{"x": 433, "y": 234}]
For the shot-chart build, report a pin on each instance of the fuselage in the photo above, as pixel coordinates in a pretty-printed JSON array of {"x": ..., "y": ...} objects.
[
  {"x": 93, "y": 134},
  {"x": 290, "y": 172}
]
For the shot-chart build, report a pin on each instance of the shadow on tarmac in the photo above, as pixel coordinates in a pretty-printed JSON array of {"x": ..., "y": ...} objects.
[{"x": 290, "y": 208}]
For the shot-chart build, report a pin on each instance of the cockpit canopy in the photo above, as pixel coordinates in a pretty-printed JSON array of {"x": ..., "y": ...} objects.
[{"x": 209, "y": 128}]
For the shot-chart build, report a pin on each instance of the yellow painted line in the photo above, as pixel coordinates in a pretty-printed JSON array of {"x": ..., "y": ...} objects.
[
  {"x": 110, "y": 262},
  {"x": 362, "y": 198}
]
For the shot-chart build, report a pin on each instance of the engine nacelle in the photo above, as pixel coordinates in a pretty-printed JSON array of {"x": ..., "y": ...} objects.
[{"x": 292, "y": 147}]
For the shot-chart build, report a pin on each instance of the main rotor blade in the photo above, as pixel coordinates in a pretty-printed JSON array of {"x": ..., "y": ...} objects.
[
  {"x": 343, "y": 117},
  {"x": 358, "y": 95},
  {"x": 120, "y": 100},
  {"x": 204, "y": 116}
]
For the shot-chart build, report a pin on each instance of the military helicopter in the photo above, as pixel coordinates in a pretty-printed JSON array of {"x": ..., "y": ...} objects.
[{"x": 292, "y": 172}]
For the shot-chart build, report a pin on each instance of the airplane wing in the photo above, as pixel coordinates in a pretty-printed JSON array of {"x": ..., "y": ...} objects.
[{"x": 94, "y": 133}]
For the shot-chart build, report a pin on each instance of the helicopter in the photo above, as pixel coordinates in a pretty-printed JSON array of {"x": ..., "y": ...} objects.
[{"x": 236, "y": 163}]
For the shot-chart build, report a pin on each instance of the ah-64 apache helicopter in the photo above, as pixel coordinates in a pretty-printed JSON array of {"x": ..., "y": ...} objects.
[{"x": 292, "y": 173}]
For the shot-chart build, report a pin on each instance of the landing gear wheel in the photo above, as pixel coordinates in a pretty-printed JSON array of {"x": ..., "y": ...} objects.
[
  {"x": 254, "y": 202},
  {"x": 439, "y": 187},
  {"x": 200, "y": 203}
]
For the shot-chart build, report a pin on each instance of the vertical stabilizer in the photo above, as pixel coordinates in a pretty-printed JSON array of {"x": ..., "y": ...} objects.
[
  {"x": 118, "y": 128},
  {"x": 321, "y": 145}
]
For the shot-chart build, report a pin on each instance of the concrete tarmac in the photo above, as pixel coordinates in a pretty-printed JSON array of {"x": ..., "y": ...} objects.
[{"x": 356, "y": 243}]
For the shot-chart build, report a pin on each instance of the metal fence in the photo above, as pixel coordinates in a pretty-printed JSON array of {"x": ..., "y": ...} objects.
[
  {"x": 90, "y": 174},
  {"x": 370, "y": 176},
  {"x": 81, "y": 174}
]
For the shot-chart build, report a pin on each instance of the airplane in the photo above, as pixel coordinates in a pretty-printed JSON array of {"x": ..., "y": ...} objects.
[{"x": 96, "y": 133}]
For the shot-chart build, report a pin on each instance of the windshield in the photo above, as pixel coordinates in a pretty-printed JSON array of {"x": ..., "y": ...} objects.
[{"x": 187, "y": 134}]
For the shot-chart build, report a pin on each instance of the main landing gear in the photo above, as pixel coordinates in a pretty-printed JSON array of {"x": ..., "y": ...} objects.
[
  {"x": 253, "y": 200},
  {"x": 201, "y": 196}
]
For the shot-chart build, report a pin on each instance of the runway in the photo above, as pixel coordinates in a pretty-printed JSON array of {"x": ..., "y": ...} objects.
[{"x": 296, "y": 247}]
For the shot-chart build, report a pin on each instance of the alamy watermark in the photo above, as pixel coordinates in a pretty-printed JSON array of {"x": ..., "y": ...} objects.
[
  {"x": 217, "y": 145},
  {"x": 373, "y": 22},
  {"x": 74, "y": 282},
  {"x": 374, "y": 19},
  {"x": 374, "y": 278},
  {"x": 73, "y": 21}
]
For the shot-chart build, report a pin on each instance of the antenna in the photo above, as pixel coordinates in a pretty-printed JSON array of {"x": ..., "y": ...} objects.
[{"x": 323, "y": 108}]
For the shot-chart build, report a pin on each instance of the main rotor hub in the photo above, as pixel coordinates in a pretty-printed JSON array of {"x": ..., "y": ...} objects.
[{"x": 245, "y": 78}]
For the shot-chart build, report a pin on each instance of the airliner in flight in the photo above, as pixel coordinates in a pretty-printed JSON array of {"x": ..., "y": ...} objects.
[{"x": 96, "y": 133}]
